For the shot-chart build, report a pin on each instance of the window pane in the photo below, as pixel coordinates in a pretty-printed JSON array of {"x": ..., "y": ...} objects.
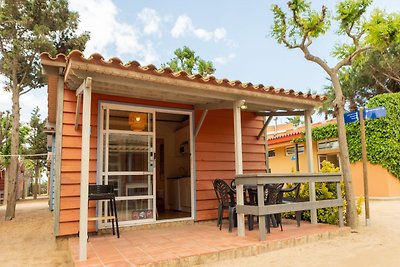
[
  {"x": 130, "y": 152},
  {"x": 321, "y": 145},
  {"x": 140, "y": 209},
  {"x": 328, "y": 145},
  {"x": 289, "y": 151},
  {"x": 131, "y": 185},
  {"x": 130, "y": 121},
  {"x": 271, "y": 153}
]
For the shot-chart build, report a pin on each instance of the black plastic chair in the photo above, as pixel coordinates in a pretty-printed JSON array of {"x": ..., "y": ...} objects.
[
  {"x": 291, "y": 199},
  {"x": 226, "y": 201},
  {"x": 272, "y": 192},
  {"x": 246, "y": 201},
  {"x": 105, "y": 192}
]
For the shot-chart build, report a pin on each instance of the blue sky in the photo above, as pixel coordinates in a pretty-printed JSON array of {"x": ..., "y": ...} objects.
[{"x": 235, "y": 35}]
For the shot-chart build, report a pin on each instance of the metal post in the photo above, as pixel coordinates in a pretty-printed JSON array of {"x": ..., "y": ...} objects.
[
  {"x": 296, "y": 149},
  {"x": 83, "y": 212},
  {"x": 364, "y": 163}
]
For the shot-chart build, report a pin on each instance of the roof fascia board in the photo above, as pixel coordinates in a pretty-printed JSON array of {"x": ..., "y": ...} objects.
[{"x": 175, "y": 82}]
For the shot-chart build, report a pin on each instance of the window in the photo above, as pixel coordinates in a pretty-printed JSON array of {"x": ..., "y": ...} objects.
[
  {"x": 291, "y": 150},
  {"x": 332, "y": 158},
  {"x": 326, "y": 145},
  {"x": 271, "y": 153}
]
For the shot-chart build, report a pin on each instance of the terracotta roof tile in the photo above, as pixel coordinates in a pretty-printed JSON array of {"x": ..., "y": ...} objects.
[{"x": 151, "y": 69}]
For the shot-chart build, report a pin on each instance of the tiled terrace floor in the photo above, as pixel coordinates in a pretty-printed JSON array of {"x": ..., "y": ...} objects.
[{"x": 187, "y": 245}]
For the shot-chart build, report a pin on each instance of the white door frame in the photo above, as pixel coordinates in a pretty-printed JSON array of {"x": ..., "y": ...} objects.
[{"x": 103, "y": 107}]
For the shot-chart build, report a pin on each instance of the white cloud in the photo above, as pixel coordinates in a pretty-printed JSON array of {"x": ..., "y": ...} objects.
[
  {"x": 184, "y": 25},
  {"x": 203, "y": 34},
  {"x": 225, "y": 60},
  {"x": 127, "y": 39},
  {"x": 150, "y": 20},
  {"x": 107, "y": 32},
  {"x": 97, "y": 17},
  {"x": 219, "y": 33},
  {"x": 149, "y": 54}
]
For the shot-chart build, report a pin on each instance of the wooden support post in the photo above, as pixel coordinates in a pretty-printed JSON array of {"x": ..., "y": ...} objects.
[
  {"x": 310, "y": 161},
  {"x": 238, "y": 161},
  {"x": 261, "y": 219},
  {"x": 58, "y": 151},
  {"x": 266, "y": 123},
  {"x": 202, "y": 118},
  {"x": 78, "y": 108},
  {"x": 83, "y": 214}
]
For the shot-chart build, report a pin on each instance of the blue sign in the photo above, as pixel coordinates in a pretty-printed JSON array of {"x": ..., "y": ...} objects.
[
  {"x": 374, "y": 113},
  {"x": 293, "y": 158},
  {"x": 368, "y": 113},
  {"x": 351, "y": 117}
]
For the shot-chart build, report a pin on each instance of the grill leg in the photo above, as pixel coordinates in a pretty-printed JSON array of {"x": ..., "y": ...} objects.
[
  {"x": 116, "y": 216},
  {"x": 111, "y": 208}
]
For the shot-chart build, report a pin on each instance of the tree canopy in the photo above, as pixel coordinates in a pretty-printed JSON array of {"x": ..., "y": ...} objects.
[
  {"x": 299, "y": 26},
  {"x": 186, "y": 59},
  {"x": 27, "y": 28},
  {"x": 377, "y": 70}
]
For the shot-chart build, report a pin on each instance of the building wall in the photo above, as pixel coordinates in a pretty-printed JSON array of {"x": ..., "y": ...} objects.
[
  {"x": 381, "y": 183},
  {"x": 215, "y": 155},
  {"x": 285, "y": 164},
  {"x": 71, "y": 157}
]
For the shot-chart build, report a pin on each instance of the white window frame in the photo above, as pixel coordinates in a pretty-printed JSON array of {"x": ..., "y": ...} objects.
[
  {"x": 300, "y": 147},
  {"x": 331, "y": 141}
]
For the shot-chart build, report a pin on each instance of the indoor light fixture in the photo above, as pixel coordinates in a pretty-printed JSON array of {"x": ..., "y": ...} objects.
[{"x": 137, "y": 121}]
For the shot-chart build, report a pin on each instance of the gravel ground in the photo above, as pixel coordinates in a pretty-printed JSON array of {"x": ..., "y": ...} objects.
[
  {"x": 375, "y": 245},
  {"x": 27, "y": 240}
]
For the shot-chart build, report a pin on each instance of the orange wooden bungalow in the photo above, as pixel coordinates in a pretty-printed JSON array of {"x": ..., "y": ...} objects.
[{"x": 158, "y": 137}]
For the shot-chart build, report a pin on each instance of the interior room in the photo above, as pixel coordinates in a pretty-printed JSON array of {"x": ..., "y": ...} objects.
[{"x": 173, "y": 179}]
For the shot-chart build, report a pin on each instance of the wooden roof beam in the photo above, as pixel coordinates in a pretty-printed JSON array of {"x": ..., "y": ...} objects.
[
  {"x": 264, "y": 127},
  {"x": 281, "y": 113}
]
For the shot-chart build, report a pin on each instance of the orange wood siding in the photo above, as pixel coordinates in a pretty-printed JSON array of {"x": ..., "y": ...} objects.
[
  {"x": 215, "y": 155},
  {"x": 71, "y": 156}
]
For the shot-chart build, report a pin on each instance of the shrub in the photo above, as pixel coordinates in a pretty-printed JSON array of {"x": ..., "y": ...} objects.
[{"x": 324, "y": 191}]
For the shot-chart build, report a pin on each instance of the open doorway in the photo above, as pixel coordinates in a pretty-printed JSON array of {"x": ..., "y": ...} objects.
[{"x": 173, "y": 168}]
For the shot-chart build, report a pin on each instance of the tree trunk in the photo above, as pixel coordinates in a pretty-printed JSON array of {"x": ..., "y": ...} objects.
[
  {"x": 23, "y": 186},
  {"x": 13, "y": 167},
  {"x": 5, "y": 194},
  {"x": 36, "y": 184},
  {"x": 351, "y": 212}
]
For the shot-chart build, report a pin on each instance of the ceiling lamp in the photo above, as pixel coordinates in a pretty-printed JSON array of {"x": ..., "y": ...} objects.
[
  {"x": 137, "y": 121},
  {"x": 243, "y": 104}
]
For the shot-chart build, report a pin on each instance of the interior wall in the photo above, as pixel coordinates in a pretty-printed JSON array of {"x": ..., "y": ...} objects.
[{"x": 176, "y": 164}]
